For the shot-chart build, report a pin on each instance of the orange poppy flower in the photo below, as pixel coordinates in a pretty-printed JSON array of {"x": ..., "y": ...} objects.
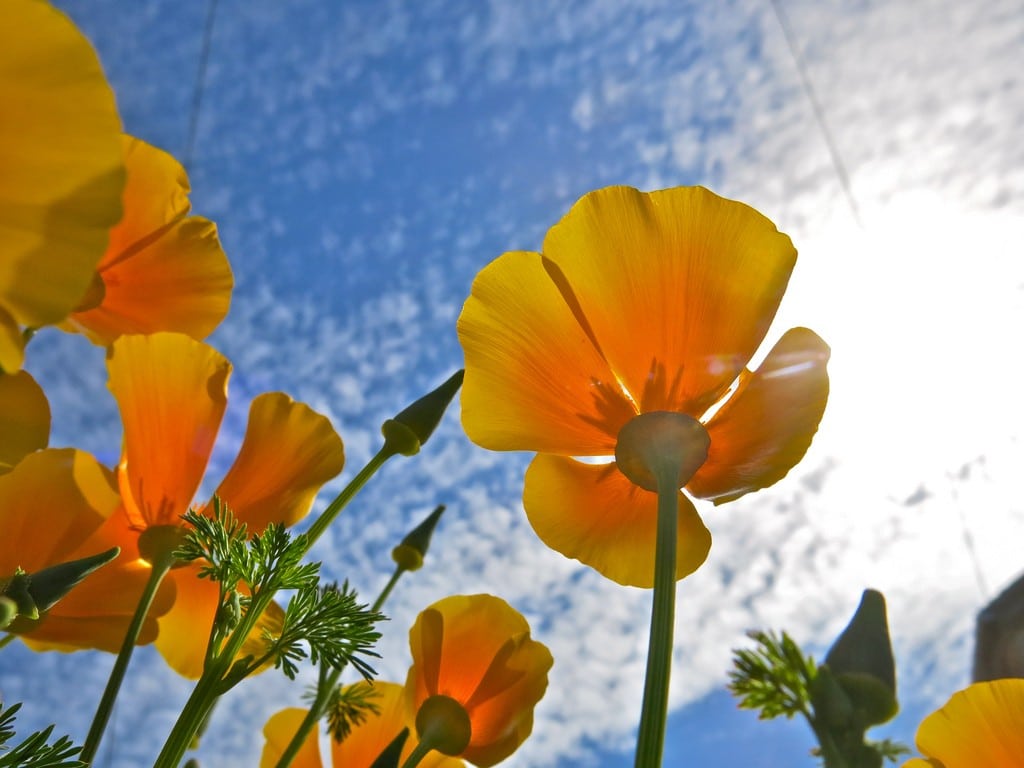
[
  {"x": 58, "y": 505},
  {"x": 475, "y": 651},
  {"x": 361, "y": 747},
  {"x": 62, "y": 170},
  {"x": 640, "y": 302},
  {"x": 982, "y": 725},
  {"x": 172, "y": 392},
  {"x": 163, "y": 269},
  {"x": 24, "y": 418}
]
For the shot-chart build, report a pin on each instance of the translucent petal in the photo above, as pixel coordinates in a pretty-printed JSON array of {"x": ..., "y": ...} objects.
[
  {"x": 24, "y": 418},
  {"x": 593, "y": 514},
  {"x": 766, "y": 426},
  {"x": 978, "y": 726},
  {"x": 172, "y": 392},
  {"x": 288, "y": 453},
  {"x": 60, "y": 190},
  {"x": 678, "y": 286},
  {"x": 278, "y": 732},
  {"x": 534, "y": 379},
  {"x": 163, "y": 271}
]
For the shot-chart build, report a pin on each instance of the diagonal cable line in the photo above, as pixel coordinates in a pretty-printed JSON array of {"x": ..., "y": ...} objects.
[
  {"x": 197, "y": 91},
  {"x": 819, "y": 114}
]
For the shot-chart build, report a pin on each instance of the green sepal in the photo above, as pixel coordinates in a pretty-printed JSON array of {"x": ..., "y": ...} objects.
[
  {"x": 34, "y": 593},
  {"x": 409, "y": 430},
  {"x": 833, "y": 708},
  {"x": 392, "y": 752},
  {"x": 409, "y": 554},
  {"x": 16, "y": 589},
  {"x": 8, "y": 611},
  {"x": 861, "y": 660}
]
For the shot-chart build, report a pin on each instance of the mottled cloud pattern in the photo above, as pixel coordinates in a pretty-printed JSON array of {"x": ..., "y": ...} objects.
[{"x": 363, "y": 160}]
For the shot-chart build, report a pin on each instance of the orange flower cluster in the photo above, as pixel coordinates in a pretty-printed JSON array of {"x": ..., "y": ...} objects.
[
  {"x": 96, "y": 238},
  {"x": 475, "y": 679}
]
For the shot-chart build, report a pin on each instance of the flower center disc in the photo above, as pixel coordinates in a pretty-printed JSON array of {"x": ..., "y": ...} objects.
[{"x": 661, "y": 443}]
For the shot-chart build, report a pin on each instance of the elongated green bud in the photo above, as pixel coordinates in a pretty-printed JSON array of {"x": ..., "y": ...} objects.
[
  {"x": 409, "y": 554},
  {"x": 409, "y": 430},
  {"x": 862, "y": 661},
  {"x": 392, "y": 752},
  {"x": 51, "y": 584}
]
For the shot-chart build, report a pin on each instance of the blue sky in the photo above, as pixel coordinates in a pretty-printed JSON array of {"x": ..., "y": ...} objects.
[{"x": 364, "y": 159}]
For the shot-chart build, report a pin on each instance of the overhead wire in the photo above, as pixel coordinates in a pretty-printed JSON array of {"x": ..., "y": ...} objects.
[
  {"x": 200, "y": 85},
  {"x": 819, "y": 114}
]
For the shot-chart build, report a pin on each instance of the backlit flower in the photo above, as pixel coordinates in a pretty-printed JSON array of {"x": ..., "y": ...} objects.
[
  {"x": 62, "y": 170},
  {"x": 24, "y": 418},
  {"x": 58, "y": 505},
  {"x": 640, "y": 302},
  {"x": 360, "y": 747},
  {"x": 172, "y": 393},
  {"x": 982, "y": 725},
  {"x": 163, "y": 269},
  {"x": 475, "y": 651}
]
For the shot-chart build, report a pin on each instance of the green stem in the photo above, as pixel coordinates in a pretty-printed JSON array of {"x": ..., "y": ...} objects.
[
  {"x": 651, "y": 734},
  {"x": 350, "y": 490},
  {"x": 212, "y": 685},
  {"x": 422, "y": 750},
  {"x": 160, "y": 566},
  {"x": 7, "y": 639},
  {"x": 328, "y": 682}
]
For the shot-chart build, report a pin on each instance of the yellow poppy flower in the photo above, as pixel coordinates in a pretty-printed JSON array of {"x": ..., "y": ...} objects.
[
  {"x": 476, "y": 650},
  {"x": 360, "y": 747},
  {"x": 172, "y": 392},
  {"x": 62, "y": 170},
  {"x": 163, "y": 269},
  {"x": 58, "y": 505},
  {"x": 640, "y": 302},
  {"x": 24, "y": 418},
  {"x": 982, "y": 725}
]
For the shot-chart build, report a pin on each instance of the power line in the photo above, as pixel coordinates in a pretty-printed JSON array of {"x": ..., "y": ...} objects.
[
  {"x": 819, "y": 114},
  {"x": 197, "y": 91}
]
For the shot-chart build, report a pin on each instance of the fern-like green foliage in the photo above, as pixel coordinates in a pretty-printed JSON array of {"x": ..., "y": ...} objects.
[
  {"x": 349, "y": 707},
  {"x": 774, "y": 677},
  {"x": 34, "y": 751},
  {"x": 325, "y": 624}
]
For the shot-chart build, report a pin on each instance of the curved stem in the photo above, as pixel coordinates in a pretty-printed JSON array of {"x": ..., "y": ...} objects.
[
  {"x": 161, "y": 565},
  {"x": 211, "y": 685},
  {"x": 421, "y": 751},
  {"x": 7, "y": 639},
  {"x": 350, "y": 490},
  {"x": 651, "y": 736},
  {"x": 327, "y": 683}
]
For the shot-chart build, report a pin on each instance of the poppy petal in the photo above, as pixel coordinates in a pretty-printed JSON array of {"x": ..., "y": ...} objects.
[
  {"x": 980, "y": 725},
  {"x": 24, "y": 418},
  {"x": 172, "y": 392},
  {"x": 592, "y": 513},
  {"x": 678, "y": 286},
  {"x": 288, "y": 453},
  {"x": 162, "y": 271},
  {"x": 12, "y": 343},
  {"x": 185, "y": 628},
  {"x": 62, "y": 168},
  {"x": 534, "y": 380},
  {"x": 79, "y": 498},
  {"x": 278, "y": 732},
  {"x": 766, "y": 426}
]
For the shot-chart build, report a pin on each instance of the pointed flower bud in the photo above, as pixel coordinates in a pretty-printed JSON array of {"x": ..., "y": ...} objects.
[
  {"x": 49, "y": 585},
  {"x": 409, "y": 554},
  {"x": 409, "y": 430},
  {"x": 862, "y": 662}
]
